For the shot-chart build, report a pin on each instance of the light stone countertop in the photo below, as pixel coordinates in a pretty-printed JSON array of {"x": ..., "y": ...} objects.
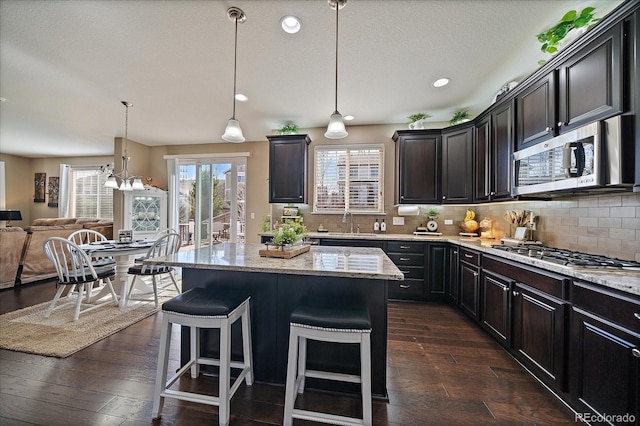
[
  {"x": 623, "y": 280},
  {"x": 350, "y": 262}
]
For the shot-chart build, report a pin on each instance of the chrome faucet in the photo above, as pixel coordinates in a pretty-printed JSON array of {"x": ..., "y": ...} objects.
[{"x": 344, "y": 220}]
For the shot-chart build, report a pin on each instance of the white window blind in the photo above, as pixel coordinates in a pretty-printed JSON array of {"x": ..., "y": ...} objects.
[
  {"x": 88, "y": 196},
  {"x": 349, "y": 178}
]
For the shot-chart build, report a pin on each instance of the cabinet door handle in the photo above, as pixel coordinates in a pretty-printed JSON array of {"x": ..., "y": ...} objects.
[
  {"x": 468, "y": 255},
  {"x": 455, "y": 252},
  {"x": 405, "y": 286},
  {"x": 635, "y": 352},
  {"x": 405, "y": 272},
  {"x": 299, "y": 196},
  {"x": 637, "y": 315},
  {"x": 560, "y": 123},
  {"x": 475, "y": 274},
  {"x": 506, "y": 289},
  {"x": 405, "y": 247},
  {"x": 404, "y": 259},
  {"x": 516, "y": 293},
  {"x": 444, "y": 197},
  {"x": 548, "y": 129}
]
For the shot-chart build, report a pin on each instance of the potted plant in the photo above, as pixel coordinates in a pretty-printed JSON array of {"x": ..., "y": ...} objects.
[
  {"x": 432, "y": 213},
  {"x": 289, "y": 233},
  {"x": 459, "y": 117},
  {"x": 416, "y": 121},
  {"x": 552, "y": 38},
  {"x": 288, "y": 129}
]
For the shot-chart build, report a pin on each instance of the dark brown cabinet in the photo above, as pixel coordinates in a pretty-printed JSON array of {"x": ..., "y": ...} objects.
[
  {"x": 288, "y": 168},
  {"x": 457, "y": 165},
  {"x": 501, "y": 151},
  {"x": 496, "y": 306},
  {"x": 482, "y": 160},
  {"x": 605, "y": 353},
  {"x": 469, "y": 281},
  {"x": 493, "y": 148},
  {"x": 437, "y": 274},
  {"x": 409, "y": 258},
  {"x": 536, "y": 109},
  {"x": 590, "y": 82},
  {"x": 418, "y": 171},
  {"x": 454, "y": 272}
]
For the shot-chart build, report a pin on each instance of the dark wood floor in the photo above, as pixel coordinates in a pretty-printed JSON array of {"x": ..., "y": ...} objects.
[{"x": 442, "y": 369}]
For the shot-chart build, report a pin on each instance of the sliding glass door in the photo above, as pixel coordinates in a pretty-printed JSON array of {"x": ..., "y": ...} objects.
[{"x": 211, "y": 200}]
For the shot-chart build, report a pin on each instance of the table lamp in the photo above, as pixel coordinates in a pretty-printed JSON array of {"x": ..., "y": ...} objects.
[{"x": 10, "y": 215}]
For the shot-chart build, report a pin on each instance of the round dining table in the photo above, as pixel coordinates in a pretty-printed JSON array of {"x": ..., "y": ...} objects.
[{"x": 124, "y": 254}]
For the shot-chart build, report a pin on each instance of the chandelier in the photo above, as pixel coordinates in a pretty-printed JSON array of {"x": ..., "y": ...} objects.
[{"x": 127, "y": 183}]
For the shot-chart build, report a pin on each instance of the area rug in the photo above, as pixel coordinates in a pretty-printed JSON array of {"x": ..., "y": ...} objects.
[{"x": 27, "y": 330}]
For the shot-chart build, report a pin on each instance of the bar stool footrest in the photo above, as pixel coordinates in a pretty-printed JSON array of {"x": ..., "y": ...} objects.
[
  {"x": 325, "y": 418},
  {"x": 327, "y": 375}
]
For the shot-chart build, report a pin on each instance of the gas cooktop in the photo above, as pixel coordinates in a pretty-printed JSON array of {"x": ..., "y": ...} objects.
[{"x": 572, "y": 259}]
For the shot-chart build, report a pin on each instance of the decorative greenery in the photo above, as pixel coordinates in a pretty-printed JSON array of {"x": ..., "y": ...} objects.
[
  {"x": 459, "y": 116},
  {"x": 266, "y": 224},
  {"x": 571, "y": 20},
  {"x": 433, "y": 212},
  {"x": 288, "y": 129},
  {"x": 418, "y": 116},
  {"x": 289, "y": 233}
]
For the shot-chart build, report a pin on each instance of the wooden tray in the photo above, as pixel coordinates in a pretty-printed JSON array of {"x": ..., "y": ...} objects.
[{"x": 287, "y": 254}]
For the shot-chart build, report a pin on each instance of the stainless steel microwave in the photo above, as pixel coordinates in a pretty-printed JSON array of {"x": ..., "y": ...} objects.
[{"x": 589, "y": 157}]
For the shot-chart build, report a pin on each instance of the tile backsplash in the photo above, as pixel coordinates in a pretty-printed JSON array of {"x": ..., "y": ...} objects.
[{"x": 598, "y": 224}]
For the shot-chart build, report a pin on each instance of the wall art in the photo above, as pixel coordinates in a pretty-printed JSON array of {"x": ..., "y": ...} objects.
[
  {"x": 52, "y": 190},
  {"x": 39, "y": 187}
]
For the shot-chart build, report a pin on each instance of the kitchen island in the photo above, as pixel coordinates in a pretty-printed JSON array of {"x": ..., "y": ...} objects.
[{"x": 277, "y": 285}]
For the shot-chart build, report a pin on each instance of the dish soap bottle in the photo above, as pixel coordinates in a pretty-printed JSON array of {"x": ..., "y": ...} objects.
[
  {"x": 383, "y": 226},
  {"x": 376, "y": 226}
]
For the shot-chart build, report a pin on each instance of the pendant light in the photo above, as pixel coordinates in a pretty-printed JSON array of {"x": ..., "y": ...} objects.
[
  {"x": 233, "y": 132},
  {"x": 336, "y": 129},
  {"x": 128, "y": 183}
]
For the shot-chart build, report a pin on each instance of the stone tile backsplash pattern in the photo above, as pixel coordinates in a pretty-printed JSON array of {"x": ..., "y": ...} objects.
[{"x": 598, "y": 224}]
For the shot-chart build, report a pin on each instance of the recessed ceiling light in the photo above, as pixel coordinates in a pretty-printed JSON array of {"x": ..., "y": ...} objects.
[
  {"x": 441, "y": 82},
  {"x": 240, "y": 97},
  {"x": 3, "y": 99},
  {"x": 290, "y": 24},
  {"x": 348, "y": 117}
]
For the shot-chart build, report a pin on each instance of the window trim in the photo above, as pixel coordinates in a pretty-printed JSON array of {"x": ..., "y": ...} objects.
[{"x": 380, "y": 180}]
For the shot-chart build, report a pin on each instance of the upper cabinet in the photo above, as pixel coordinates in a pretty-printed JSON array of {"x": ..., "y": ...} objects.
[
  {"x": 482, "y": 160},
  {"x": 457, "y": 165},
  {"x": 288, "y": 168},
  {"x": 536, "y": 108},
  {"x": 590, "y": 82},
  {"x": 418, "y": 166},
  {"x": 586, "y": 87}
]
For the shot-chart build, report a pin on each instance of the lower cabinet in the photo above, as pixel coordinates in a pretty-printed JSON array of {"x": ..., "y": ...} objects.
[
  {"x": 454, "y": 272},
  {"x": 409, "y": 258},
  {"x": 605, "y": 354},
  {"x": 496, "y": 306},
  {"x": 469, "y": 281},
  {"x": 437, "y": 271},
  {"x": 525, "y": 310}
]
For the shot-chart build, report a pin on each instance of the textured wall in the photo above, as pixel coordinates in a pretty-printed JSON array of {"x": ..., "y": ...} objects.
[{"x": 598, "y": 224}]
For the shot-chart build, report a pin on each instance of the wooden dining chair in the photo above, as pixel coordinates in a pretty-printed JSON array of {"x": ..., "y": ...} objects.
[
  {"x": 165, "y": 245},
  {"x": 75, "y": 270}
]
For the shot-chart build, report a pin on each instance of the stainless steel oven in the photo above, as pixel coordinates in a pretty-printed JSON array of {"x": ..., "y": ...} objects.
[{"x": 590, "y": 157}]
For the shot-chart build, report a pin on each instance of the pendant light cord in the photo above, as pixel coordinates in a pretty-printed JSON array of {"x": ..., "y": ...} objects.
[
  {"x": 235, "y": 61},
  {"x": 336, "y": 94}
]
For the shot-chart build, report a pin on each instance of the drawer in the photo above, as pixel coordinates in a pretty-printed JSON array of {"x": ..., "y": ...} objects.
[
  {"x": 405, "y": 247},
  {"x": 408, "y": 259},
  {"x": 412, "y": 272},
  {"x": 621, "y": 309},
  {"x": 469, "y": 256},
  {"x": 406, "y": 290}
]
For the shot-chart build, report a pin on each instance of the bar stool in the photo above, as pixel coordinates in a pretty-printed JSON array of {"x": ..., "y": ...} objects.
[
  {"x": 350, "y": 325},
  {"x": 197, "y": 309}
]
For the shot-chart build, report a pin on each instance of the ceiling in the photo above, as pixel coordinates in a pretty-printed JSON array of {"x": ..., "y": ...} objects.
[{"x": 66, "y": 65}]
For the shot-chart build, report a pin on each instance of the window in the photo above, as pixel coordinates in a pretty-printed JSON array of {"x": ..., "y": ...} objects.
[
  {"x": 349, "y": 178},
  {"x": 88, "y": 196}
]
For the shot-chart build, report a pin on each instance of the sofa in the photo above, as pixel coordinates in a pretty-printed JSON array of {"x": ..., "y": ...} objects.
[
  {"x": 12, "y": 240},
  {"x": 35, "y": 265}
]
